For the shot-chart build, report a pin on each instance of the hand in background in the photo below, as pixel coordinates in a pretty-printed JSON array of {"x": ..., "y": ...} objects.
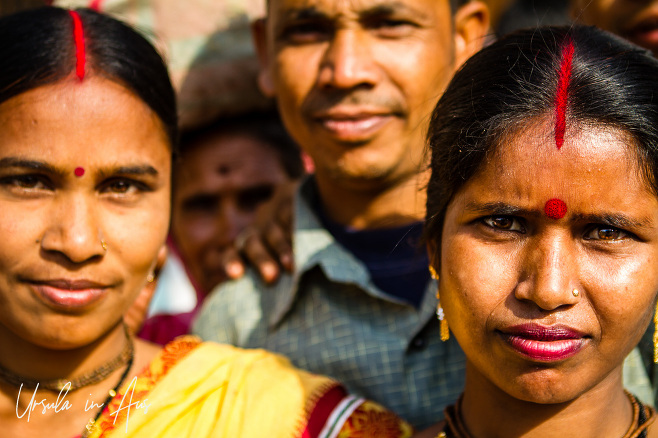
[{"x": 267, "y": 243}]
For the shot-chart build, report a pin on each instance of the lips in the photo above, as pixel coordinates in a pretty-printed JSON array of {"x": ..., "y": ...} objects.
[
  {"x": 544, "y": 343},
  {"x": 65, "y": 294},
  {"x": 353, "y": 126}
]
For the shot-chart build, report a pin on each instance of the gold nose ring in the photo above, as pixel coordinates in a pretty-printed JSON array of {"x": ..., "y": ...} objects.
[
  {"x": 575, "y": 293},
  {"x": 103, "y": 245}
]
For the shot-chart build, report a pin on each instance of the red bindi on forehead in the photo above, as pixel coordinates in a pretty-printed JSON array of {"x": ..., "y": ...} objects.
[
  {"x": 555, "y": 208},
  {"x": 79, "y": 171}
]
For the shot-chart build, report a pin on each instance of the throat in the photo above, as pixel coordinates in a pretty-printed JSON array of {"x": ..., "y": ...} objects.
[{"x": 486, "y": 411}]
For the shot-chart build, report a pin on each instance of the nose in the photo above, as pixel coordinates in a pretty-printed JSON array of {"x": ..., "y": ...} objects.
[
  {"x": 231, "y": 220},
  {"x": 348, "y": 61},
  {"x": 551, "y": 273},
  {"x": 73, "y": 230}
]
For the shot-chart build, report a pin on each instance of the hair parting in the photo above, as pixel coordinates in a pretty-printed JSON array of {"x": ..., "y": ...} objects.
[
  {"x": 78, "y": 35},
  {"x": 562, "y": 95}
]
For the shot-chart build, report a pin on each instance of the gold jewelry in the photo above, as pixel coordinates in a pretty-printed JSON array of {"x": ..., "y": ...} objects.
[
  {"x": 150, "y": 278},
  {"x": 91, "y": 424},
  {"x": 655, "y": 335},
  {"x": 103, "y": 245},
  {"x": 575, "y": 293},
  {"x": 90, "y": 378},
  {"x": 444, "y": 330}
]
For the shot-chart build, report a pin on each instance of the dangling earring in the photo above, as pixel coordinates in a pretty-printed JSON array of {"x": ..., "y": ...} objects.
[
  {"x": 655, "y": 335},
  {"x": 444, "y": 330}
]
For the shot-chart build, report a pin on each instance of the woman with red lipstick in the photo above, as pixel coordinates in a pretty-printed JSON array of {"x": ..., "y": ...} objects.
[
  {"x": 542, "y": 226},
  {"x": 87, "y": 130}
]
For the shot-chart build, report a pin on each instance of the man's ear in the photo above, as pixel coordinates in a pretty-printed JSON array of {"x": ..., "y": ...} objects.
[
  {"x": 471, "y": 23},
  {"x": 259, "y": 34}
]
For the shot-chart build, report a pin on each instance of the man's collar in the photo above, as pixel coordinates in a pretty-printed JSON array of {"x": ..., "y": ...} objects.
[{"x": 314, "y": 246}]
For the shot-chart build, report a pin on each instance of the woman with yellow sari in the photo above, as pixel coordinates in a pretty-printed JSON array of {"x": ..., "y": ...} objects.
[{"x": 88, "y": 129}]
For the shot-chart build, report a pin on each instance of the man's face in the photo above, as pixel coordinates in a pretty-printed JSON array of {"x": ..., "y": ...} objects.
[
  {"x": 221, "y": 184},
  {"x": 356, "y": 81},
  {"x": 635, "y": 20}
]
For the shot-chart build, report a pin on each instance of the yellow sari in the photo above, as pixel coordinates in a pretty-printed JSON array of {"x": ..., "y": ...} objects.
[{"x": 199, "y": 390}]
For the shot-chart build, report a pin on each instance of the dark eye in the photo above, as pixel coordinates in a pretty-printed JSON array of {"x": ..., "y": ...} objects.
[
  {"x": 120, "y": 186},
  {"x": 251, "y": 199},
  {"x": 201, "y": 204},
  {"x": 504, "y": 223},
  {"x": 605, "y": 233},
  {"x": 307, "y": 32},
  {"x": 123, "y": 187},
  {"x": 28, "y": 182},
  {"x": 390, "y": 27}
]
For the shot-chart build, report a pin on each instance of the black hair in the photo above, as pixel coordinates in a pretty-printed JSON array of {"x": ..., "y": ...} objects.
[
  {"x": 39, "y": 49},
  {"x": 265, "y": 127},
  {"x": 514, "y": 81}
]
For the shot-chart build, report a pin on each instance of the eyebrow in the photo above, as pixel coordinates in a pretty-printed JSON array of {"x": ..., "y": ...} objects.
[
  {"x": 387, "y": 8},
  {"x": 9, "y": 162},
  {"x": 137, "y": 170},
  {"x": 500, "y": 208},
  {"x": 617, "y": 220}
]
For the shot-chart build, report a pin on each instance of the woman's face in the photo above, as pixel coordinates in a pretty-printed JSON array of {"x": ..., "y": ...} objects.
[
  {"x": 509, "y": 265},
  {"x": 80, "y": 163}
]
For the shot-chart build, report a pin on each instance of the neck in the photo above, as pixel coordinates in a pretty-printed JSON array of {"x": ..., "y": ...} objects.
[
  {"x": 37, "y": 362},
  {"x": 488, "y": 412},
  {"x": 382, "y": 206}
]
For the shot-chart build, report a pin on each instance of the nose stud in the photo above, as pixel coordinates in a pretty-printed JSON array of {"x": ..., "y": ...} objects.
[
  {"x": 104, "y": 245},
  {"x": 575, "y": 293}
]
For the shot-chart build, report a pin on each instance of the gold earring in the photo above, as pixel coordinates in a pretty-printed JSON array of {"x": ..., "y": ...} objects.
[
  {"x": 103, "y": 245},
  {"x": 444, "y": 330},
  {"x": 150, "y": 278},
  {"x": 655, "y": 335}
]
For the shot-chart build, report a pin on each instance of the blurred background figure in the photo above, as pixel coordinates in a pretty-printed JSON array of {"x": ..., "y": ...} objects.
[
  {"x": 510, "y": 15},
  {"x": 637, "y": 21},
  {"x": 227, "y": 174}
]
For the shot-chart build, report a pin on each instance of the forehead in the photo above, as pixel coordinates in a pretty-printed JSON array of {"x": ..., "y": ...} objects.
[
  {"x": 96, "y": 115},
  {"x": 594, "y": 166},
  {"x": 283, "y": 9},
  {"x": 232, "y": 158}
]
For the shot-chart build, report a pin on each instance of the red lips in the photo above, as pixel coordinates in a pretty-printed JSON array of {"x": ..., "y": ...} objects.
[{"x": 544, "y": 343}]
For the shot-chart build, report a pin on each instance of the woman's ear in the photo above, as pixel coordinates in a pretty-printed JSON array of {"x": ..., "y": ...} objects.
[{"x": 472, "y": 25}]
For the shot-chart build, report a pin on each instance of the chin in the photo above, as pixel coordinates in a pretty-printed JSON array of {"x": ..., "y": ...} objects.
[{"x": 542, "y": 389}]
